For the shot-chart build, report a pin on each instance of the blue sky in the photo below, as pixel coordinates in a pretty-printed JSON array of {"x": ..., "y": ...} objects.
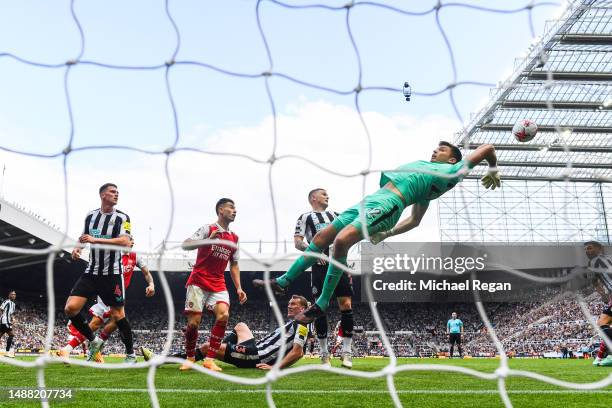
[{"x": 132, "y": 107}]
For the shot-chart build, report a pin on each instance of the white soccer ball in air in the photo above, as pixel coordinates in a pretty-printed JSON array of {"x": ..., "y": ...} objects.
[{"x": 524, "y": 130}]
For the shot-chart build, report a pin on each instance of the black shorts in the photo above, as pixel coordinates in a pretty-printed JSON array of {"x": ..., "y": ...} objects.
[
  {"x": 242, "y": 355},
  {"x": 108, "y": 287},
  {"x": 455, "y": 338},
  {"x": 317, "y": 277},
  {"x": 5, "y": 328}
]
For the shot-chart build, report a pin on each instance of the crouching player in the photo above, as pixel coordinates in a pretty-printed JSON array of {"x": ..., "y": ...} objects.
[{"x": 240, "y": 348}]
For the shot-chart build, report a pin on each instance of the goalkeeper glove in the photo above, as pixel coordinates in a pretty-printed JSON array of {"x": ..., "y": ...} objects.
[
  {"x": 491, "y": 179},
  {"x": 379, "y": 237}
]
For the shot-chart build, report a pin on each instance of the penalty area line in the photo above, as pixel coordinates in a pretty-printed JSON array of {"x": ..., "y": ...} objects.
[{"x": 346, "y": 391}]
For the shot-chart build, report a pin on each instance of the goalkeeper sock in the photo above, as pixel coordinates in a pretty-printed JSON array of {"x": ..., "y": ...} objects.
[
  {"x": 216, "y": 335},
  {"x": 81, "y": 325},
  {"x": 9, "y": 343},
  {"x": 331, "y": 281},
  {"x": 126, "y": 335},
  {"x": 199, "y": 356},
  {"x": 300, "y": 265}
]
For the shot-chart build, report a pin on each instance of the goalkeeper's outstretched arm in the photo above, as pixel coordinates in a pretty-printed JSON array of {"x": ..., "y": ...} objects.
[{"x": 486, "y": 152}]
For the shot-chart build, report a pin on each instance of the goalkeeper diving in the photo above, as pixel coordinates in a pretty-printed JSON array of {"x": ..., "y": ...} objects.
[{"x": 413, "y": 184}]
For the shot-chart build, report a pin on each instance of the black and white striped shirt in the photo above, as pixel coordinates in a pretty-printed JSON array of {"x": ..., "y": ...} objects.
[
  {"x": 308, "y": 224},
  {"x": 110, "y": 225},
  {"x": 7, "y": 308},
  {"x": 603, "y": 265},
  {"x": 269, "y": 346}
]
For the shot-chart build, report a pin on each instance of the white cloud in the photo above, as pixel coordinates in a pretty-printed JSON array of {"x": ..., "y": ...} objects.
[{"x": 330, "y": 135}]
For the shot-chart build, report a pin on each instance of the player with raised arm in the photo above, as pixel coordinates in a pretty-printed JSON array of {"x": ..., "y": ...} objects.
[
  {"x": 414, "y": 184},
  {"x": 454, "y": 329},
  {"x": 308, "y": 224},
  {"x": 240, "y": 348},
  {"x": 7, "y": 309},
  {"x": 601, "y": 264},
  {"x": 206, "y": 284},
  {"x": 103, "y": 275}
]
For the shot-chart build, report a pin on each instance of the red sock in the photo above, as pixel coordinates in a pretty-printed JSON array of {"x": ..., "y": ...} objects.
[
  {"x": 191, "y": 338},
  {"x": 104, "y": 335},
  {"x": 75, "y": 342},
  {"x": 216, "y": 336},
  {"x": 602, "y": 350}
]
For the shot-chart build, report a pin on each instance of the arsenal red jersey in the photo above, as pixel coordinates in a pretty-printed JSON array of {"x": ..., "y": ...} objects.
[
  {"x": 128, "y": 262},
  {"x": 212, "y": 260}
]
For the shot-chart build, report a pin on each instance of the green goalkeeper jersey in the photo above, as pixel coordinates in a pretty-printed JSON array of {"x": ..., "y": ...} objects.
[{"x": 419, "y": 187}]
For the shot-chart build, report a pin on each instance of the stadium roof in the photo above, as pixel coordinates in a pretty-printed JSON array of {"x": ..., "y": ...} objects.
[
  {"x": 20, "y": 228},
  {"x": 564, "y": 84}
]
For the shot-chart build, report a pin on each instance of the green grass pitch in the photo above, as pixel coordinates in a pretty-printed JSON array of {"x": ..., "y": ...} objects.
[{"x": 319, "y": 389}]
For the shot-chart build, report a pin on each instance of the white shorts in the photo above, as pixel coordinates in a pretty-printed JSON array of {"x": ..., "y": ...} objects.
[
  {"x": 197, "y": 299},
  {"x": 100, "y": 310}
]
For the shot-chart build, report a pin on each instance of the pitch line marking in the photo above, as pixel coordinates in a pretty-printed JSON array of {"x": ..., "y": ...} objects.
[{"x": 350, "y": 391}]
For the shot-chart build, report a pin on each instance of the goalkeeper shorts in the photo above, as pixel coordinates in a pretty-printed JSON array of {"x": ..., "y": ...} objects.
[{"x": 382, "y": 211}]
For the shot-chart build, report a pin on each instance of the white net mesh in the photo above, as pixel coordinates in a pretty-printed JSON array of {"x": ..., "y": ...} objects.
[{"x": 359, "y": 87}]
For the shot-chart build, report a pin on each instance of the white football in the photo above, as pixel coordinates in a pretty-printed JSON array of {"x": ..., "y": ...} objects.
[{"x": 524, "y": 130}]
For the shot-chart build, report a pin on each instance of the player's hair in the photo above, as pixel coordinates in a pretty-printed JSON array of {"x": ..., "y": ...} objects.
[
  {"x": 104, "y": 186},
  {"x": 594, "y": 243},
  {"x": 311, "y": 193},
  {"x": 221, "y": 203},
  {"x": 302, "y": 299},
  {"x": 454, "y": 149}
]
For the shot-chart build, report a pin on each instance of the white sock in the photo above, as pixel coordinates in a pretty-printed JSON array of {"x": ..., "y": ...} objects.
[
  {"x": 68, "y": 348},
  {"x": 346, "y": 344},
  {"x": 323, "y": 346}
]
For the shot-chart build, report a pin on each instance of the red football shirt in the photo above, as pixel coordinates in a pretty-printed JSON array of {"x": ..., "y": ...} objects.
[
  {"x": 211, "y": 260},
  {"x": 128, "y": 262}
]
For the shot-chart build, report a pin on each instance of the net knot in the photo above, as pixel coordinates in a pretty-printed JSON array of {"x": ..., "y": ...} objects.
[
  {"x": 502, "y": 372},
  {"x": 170, "y": 150},
  {"x": 451, "y": 85},
  {"x": 67, "y": 150},
  {"x": 358, "y": 88},
  {"x": 438, "y": 5},
  {"x": 272, "y": 159},
  {"x": 364, "y": 172},
  {"x": 170, "y": 62},
  {"x": 266, "y": 73},
  {"x": 349, "y": 4},
  {"x": 272, "y": 375},
  {"x": 72, "y": 62},
  {"x": 389, "y": 370}
]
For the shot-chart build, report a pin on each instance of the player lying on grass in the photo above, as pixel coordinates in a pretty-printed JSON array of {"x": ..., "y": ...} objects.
[
  {"x": 414, "y": 184},
  {"x": 240, "y": 348}
]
